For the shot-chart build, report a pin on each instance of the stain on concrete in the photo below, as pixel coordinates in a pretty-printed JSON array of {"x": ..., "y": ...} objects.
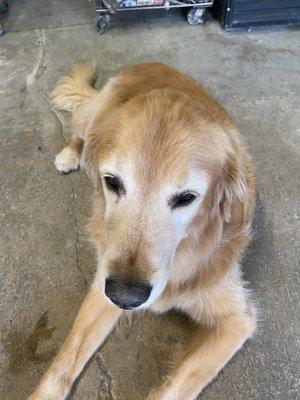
[{"x": 27, "y": 349}]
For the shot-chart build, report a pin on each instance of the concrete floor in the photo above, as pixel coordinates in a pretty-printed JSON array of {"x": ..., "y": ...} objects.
[{"x": 46, "y": 261}]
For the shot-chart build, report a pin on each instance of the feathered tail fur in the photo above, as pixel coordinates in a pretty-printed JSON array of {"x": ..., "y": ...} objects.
[{"x": 76, "y": 88}]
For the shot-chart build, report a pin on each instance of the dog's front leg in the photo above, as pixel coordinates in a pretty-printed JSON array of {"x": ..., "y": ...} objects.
[
  {"x": 93, "y": 323},
  {"x": 207, "y": 353}
]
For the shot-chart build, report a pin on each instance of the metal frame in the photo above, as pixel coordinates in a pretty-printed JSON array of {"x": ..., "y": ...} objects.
[
  {"x": 103, "y": 6},
  {"x": 106, "y": 8}
]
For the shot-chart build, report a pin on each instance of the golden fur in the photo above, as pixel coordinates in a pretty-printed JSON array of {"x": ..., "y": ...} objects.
[{"x": 161, "y": 130}]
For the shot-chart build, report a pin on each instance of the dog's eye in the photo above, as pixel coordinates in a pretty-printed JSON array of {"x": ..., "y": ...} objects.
[
  {"x": 114, "y": 184},
  {"x": 182, "y": 199}
]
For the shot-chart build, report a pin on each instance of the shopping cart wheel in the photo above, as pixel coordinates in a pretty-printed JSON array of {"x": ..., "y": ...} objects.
[
  {"x": 103, "y": 23},
  {"x": 196, "y": 16}
]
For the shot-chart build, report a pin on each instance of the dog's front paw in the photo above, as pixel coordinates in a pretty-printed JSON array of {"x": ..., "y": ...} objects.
[{"x": 67, "y": 160}]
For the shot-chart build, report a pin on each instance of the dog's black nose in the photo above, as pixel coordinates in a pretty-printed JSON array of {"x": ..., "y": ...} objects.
[{"x": 126, "y": 293}]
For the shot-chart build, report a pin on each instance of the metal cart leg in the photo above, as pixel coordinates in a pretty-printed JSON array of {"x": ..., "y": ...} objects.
[
  {"x": 196, "y": 16},
  {"x": 103, "y": 23}
]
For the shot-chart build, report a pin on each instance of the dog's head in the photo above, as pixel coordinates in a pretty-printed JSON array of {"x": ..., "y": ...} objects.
[{"x": 158, "y": 162}]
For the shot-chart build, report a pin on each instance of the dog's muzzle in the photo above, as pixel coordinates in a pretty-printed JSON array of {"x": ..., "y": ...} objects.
[{"x": 125, "y": 293}]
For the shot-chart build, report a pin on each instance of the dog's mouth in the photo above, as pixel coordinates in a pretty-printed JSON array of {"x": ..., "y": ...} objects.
[{"x": 124, "y": 307}]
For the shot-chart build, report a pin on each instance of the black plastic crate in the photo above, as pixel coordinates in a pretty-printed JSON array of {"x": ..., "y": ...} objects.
[{"x": 248, "y": 14}]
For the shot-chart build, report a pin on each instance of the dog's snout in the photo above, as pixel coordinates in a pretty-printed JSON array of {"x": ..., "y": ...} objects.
[{"x": 126, "y": 293}]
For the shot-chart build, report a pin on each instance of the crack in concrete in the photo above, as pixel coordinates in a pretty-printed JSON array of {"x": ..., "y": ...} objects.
[
  {"x": 60, "y": 126},
  {"x": 109, "y": 395},
  {"x": 73, "y": 197},
  {"x": 79, "y": 262},
  {"x": 36, "y": 73},
  {"x": 33, "y": 87}
]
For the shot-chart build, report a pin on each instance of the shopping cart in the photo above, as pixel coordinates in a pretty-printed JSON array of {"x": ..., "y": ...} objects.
[{"x": 105, "y": 8}]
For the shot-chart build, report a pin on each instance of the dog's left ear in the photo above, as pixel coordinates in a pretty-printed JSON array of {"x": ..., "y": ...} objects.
[{"x": 236, "y": 184}]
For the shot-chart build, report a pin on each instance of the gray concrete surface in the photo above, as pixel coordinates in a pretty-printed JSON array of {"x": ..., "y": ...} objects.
[{"x": 46, "y": 261}]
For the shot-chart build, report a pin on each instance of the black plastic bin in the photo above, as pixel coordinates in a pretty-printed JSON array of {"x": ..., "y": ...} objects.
[{"x": 249, "y": 14}]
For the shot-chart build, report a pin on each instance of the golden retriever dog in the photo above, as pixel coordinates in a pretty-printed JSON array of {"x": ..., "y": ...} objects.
[{"x": 174, "y": 195}]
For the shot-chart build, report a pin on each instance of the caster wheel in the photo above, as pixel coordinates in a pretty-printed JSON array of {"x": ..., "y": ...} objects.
[
  {"x": 196, "y": 16},
  {"x": 4, "y": 6},
  {"x": 2, "y": 31},
  {"x": 103, "y": 23}
]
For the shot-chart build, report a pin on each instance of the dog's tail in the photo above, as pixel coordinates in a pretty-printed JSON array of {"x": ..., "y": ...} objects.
[{"x": 76, "y": 88}]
